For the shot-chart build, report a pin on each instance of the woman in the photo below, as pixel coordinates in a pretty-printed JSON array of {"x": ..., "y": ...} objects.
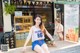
[
  {"x": 37, "y": 34},
  {"x": 58, "y": 30}
]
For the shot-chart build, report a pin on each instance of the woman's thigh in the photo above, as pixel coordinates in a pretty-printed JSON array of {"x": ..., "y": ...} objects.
[
  {"x": 38, "y": 49},
  {"x": 45, "y": 48}
]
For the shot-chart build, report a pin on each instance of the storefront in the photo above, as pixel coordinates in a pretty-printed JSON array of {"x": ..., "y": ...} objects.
[
  {"x": 21, "y": 20},
  {"x": 24, "y": 15},
  {"x": 16, "y": 26}
]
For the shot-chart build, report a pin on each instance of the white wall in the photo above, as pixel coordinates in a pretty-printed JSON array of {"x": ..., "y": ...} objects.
[{"x": 6, "y": 21}]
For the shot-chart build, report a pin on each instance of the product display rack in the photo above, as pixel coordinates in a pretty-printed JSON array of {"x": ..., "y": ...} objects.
[{"x": 22, "y": 23}]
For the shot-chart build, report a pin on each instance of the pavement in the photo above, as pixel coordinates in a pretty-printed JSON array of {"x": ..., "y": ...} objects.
[
  {"x": 61, "y": 47},
  {"x": 75, "y": 49}
]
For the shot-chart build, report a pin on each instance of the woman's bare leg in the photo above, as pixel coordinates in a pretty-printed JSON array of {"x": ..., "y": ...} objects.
[
  {"x": 60, "y": 36},
  {"x": 45, "y": 48},
  {"x": 38, "y": 49}
]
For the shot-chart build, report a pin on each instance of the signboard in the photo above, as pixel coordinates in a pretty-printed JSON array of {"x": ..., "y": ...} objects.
[
  {"x": 71, "y": 22},
  {"x": 67, "y": 1},
  {"x": 18, "y": 13}
]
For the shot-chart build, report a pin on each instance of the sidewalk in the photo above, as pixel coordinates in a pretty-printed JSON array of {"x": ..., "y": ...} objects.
[
  {"x": 61, "y": 45},
  {"x": 69, "y": 49}
]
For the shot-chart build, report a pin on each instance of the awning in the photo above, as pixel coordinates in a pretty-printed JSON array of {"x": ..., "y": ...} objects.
[{"x": 43, "y": 0}]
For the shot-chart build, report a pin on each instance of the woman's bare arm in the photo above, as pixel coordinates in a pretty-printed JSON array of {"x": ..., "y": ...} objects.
[
  {"x": 49, "y": 35},
  {"x": 28, "y": 37}
]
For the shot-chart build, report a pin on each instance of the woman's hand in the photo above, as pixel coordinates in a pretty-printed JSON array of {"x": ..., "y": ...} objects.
[
  {"x": 53, "y": 44},
  {"x": 24, "y": 49}
]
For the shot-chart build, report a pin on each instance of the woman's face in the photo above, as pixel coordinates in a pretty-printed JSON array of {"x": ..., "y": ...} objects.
[
  {"x": 38, "y": 20},
  {"x": 56, "y": 22}
]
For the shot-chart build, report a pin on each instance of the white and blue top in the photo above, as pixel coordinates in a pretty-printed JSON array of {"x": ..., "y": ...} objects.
[{"x": 37, "y": 34}]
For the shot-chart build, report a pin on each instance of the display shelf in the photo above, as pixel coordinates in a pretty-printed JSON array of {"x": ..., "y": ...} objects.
[
  {"x": 19, "y": 24},
  {"x": 22, "y": 23}
]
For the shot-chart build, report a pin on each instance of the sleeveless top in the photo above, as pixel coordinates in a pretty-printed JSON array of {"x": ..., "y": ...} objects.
[{"x": 37, "y": 34}]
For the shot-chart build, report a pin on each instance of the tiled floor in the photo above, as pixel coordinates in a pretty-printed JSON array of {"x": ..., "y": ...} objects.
[{"x": 61, "y": 48}]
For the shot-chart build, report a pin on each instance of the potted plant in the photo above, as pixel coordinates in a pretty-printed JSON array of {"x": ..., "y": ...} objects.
[{"x": 9, "y": 8}]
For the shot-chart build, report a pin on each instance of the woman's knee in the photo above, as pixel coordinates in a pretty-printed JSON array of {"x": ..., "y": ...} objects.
[
  {"x": 38, "y": 49},
  {"x": 45, "y": 48},
  {"x": 47, "y": 51},
  {"x": 41, "y": 51}
]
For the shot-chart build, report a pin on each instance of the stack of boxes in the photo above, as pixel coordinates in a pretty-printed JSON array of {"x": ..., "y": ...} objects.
[
  {"x": 9, "y": 39},
  {"x": 20, "y": 39}
]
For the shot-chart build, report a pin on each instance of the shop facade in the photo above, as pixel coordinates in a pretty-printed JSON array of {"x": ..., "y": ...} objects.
[
  {"x": 17, "y": 25},
  {"x": 29, "y": 10}
]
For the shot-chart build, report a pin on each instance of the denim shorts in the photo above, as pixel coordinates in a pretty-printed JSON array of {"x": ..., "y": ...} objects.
[{"x": 37, "y": 42}]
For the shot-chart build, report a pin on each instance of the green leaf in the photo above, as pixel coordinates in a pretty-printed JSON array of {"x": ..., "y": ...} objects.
[{"x": 9, "y": 8}]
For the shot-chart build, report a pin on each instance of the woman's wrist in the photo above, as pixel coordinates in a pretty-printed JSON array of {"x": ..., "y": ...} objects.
[
  {"x": 52, "y": 40},
  {"x": 24, "y": 45}
]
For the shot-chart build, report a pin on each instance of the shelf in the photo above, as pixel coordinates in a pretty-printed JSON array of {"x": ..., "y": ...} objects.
[
  {"x": 18, "y": 24},
  {"x": 19, "y": 31},
  {"x": 18, "y": 6},
  {"x": 24, "y": 6},
  {"x": 22, "y": 31},
  {"x": 17, "y": 16},
  {"x": 26, "y": 30},
  {"x": 23, "y": 24},
  {"x": 27, "y": 24}
]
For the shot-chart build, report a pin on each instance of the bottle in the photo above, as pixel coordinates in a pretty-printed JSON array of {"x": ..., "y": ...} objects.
[
  {"x": 20, "y": 2},
  {"x": 31, "y": 4},
  {"x": 49, "y": 4},
  {"x": 24, "y": 2},
  {"x": 15, "y": 2},
  {"x": 41, "y": 3},
  {"x": 37, "y": 3},
  {"x": 27, "y": 4}
]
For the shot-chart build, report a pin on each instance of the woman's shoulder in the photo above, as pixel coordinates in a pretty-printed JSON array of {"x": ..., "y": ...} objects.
[
  {"x": 32, "y": 27},
  {"x": 61, "y": 25}
]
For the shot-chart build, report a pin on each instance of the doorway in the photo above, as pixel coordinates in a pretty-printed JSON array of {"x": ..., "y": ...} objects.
[{"x": 1, "y": 17}]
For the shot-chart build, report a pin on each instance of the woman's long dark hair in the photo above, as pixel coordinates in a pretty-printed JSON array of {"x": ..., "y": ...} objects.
[
  {"x": 42, "y": 27},
  {"x": 40, "y": 18}
]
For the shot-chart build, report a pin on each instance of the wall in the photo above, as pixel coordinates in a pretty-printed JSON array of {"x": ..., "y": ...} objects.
[{"x": 6, "y": 21}]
